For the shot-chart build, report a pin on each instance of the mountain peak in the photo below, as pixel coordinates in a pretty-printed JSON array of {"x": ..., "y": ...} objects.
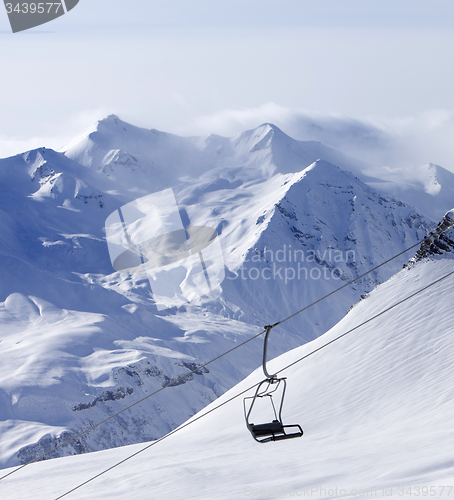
[
  {"x": 267, "y": 126},
  {"x": 112, "y": 117},
  {"x": 113, "y": 125},
  {"x": 258, "y": 134},
  {"x": 323, "y": 165},
  {"x": 325, "y": 171}
]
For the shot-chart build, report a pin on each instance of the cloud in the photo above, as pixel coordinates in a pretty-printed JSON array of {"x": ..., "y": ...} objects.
[
  {"x": 330, "y": 128},
  {"x": 421, "y": 139},
  {"x": 391, "y": 141},
  {"x": 335, "y": 130},
  {"x": 68, "y": 128},
  {"x": 11, "y": 146},
  {"x": 397, "y": 141}
]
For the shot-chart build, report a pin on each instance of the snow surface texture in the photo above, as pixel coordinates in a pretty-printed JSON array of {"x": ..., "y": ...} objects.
[
  {"x": 80, "y": 342},
  {"x": 376, "y": 407}
]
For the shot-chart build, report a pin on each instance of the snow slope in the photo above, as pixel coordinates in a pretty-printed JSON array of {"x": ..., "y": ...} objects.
[{"x": 376, "y": 407}]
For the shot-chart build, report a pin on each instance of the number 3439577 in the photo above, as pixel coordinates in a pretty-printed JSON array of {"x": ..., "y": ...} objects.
[
  {"x": 33, "y": 8},
  {"x": 424, "y": 491}
]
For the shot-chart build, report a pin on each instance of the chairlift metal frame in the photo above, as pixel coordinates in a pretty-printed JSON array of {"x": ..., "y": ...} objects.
[{"x": 275, "y": 430}]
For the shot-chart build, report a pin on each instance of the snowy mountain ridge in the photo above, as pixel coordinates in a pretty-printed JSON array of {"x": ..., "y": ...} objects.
[{"x": 130, "y": 157}]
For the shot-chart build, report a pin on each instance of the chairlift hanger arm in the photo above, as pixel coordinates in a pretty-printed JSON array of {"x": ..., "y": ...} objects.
[{"x": 265, "y": 351}]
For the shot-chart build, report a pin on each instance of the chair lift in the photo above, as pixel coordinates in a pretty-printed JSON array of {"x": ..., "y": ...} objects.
[{"x": 274, "y": 430}]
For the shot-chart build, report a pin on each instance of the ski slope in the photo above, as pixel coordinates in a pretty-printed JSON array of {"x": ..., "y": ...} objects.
[{"x": 376, "y": 407}]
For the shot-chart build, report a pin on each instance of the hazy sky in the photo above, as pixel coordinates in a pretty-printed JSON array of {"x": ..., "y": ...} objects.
[{"x": 224, "y": 66}]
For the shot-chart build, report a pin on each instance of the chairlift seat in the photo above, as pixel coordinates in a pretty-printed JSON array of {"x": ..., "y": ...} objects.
[
  {"x": 274, "y": 431},
  {"x": 274, "y": 427}
]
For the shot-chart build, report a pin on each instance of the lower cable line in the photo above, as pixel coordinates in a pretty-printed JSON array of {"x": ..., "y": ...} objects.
[{"x": 255, "y": 385}]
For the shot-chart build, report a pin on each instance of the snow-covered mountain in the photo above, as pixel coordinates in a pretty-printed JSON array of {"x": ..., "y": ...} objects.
[
  {"x": 80, "y": 341},
  {"x": 376, "y": 406},
  {"x": 331, "y": 228}
]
